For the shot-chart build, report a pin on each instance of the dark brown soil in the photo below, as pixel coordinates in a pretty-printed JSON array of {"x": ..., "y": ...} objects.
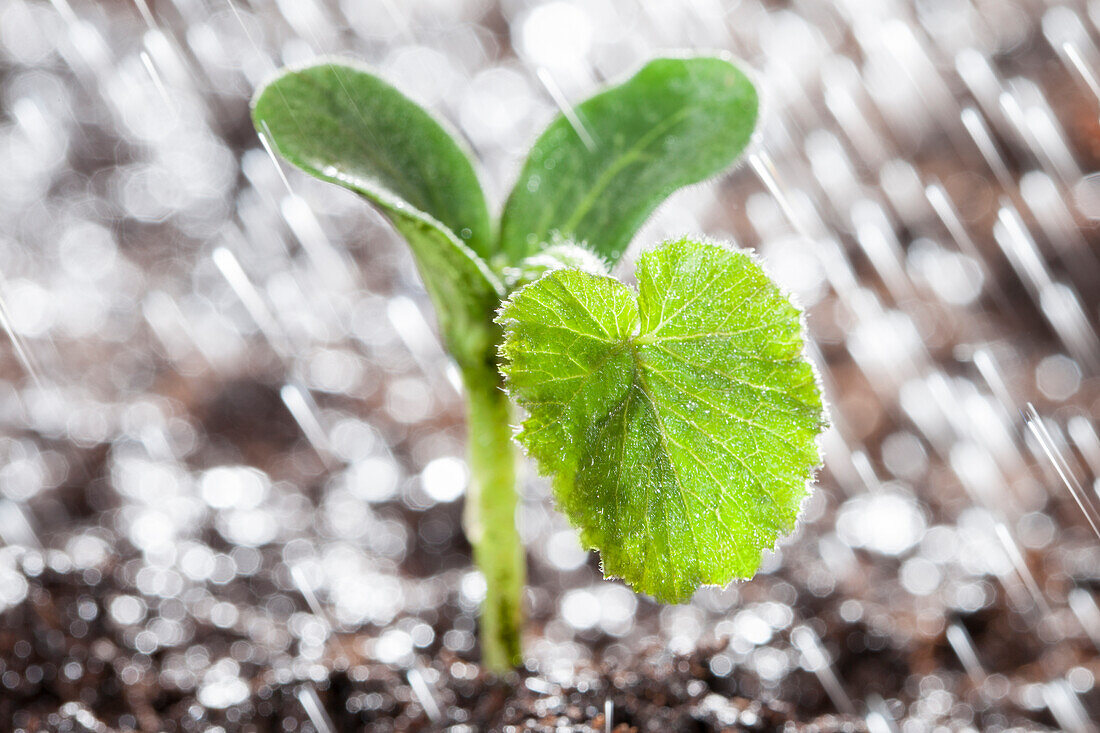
[
  {"x": 52, "y": 659},
  {"x": 67, "y": 665}
]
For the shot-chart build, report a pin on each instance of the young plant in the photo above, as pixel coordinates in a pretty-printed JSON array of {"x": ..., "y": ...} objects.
[{"x": 678, "y": 421}]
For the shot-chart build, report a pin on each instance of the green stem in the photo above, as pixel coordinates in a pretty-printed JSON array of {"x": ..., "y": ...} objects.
[{"x": 490, "y": 517}]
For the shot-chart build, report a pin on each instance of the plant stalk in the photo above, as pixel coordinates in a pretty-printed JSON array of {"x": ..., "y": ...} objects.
[{"x": 490, "y": 517}]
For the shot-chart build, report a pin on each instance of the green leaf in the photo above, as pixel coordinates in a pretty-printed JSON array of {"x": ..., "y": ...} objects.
[
  {"x": 344, "y": 125},
  {"x": 676, "y": 122},
  {"x": 680, "y": 423}
]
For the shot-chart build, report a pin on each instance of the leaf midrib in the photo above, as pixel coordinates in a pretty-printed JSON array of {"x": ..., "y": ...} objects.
[
  {"x": 642, "y": 384},
  {"x": 624, "y": 159}
]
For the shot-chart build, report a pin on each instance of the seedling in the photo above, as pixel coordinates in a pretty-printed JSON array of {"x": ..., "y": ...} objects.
[{"x": 679, "y": 421}]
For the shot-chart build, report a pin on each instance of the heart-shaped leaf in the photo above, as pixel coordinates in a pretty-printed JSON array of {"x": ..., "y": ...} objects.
[
  {"x": 675, "y": 122},
  {"x": 342, "y": 124},
  {"x": 680, "y": 423}
]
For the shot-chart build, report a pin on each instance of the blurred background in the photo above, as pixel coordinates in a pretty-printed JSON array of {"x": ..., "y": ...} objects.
[{"x": 231, "y": 447}]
